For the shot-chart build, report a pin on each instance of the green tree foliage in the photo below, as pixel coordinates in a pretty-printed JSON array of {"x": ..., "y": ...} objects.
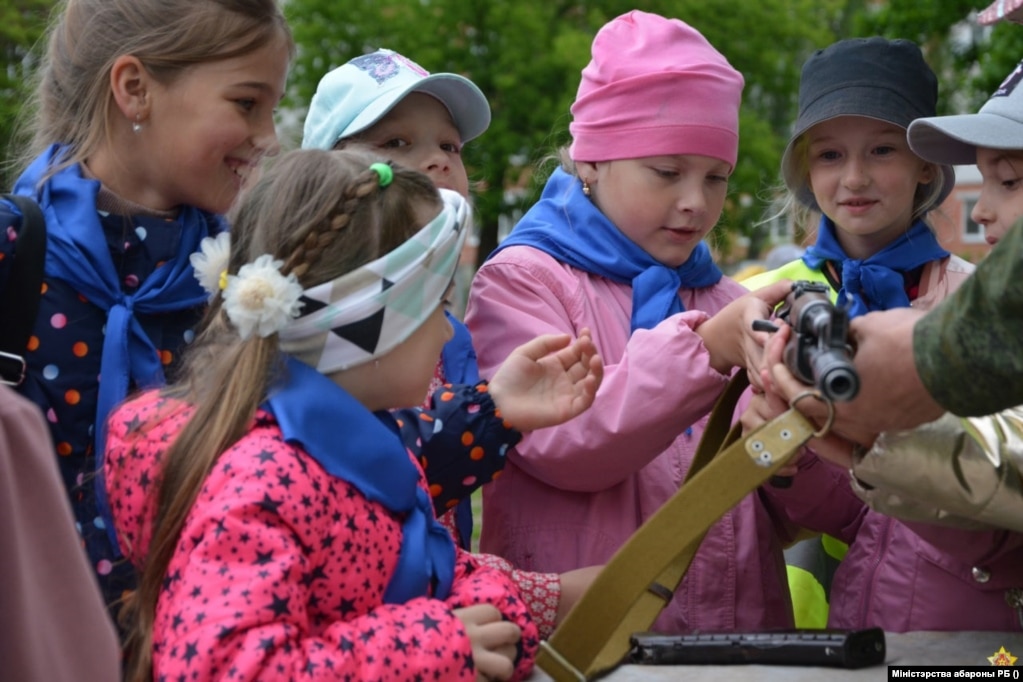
[
  {"x": 970, "y": 60},
  {"x": 21, "y": 24},
  {"x": 993, "y": 61}
]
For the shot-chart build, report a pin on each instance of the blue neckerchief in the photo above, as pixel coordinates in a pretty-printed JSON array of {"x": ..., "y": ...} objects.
[
  {"x": 309, "y": 407},
  {"x": 460, "y": 367},
  {"x": 566, "y": 225},
  {"x": 458, "y": 355},
  {"x": 77, "y": 252},
  {"x": 877, "y": 282}
]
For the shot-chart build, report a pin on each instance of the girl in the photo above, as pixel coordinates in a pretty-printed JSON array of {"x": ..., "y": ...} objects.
[
  {"x": 388, "y": 104},
  {"x": 280, "y": 525},
  {"x": 849, "y": 158},
  {"x": 391, "y": 106},
  {"x": 151, "y": 115},
  {"x": 614, "y": 244}
]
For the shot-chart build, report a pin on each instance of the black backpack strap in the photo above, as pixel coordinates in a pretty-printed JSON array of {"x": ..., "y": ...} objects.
[{"x": 19, "y": 303}]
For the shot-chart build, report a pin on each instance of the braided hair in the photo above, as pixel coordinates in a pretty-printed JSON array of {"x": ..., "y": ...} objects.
[{"x": 323, "y": 214}]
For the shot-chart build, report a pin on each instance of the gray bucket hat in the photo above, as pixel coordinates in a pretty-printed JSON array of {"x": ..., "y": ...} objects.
[
  {"x": 887, "y": 80},
  {"x": 954, "y": 139}
]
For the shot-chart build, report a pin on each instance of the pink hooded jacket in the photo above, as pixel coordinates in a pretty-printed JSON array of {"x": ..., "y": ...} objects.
[{"x": 571, "y": 495}]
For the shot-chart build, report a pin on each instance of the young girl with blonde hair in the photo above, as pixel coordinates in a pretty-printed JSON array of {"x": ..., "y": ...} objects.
[
  {"x": 149, "y": 117},
  {"x": 850, "y": 159},
  {"x": 280, "y": 524}
]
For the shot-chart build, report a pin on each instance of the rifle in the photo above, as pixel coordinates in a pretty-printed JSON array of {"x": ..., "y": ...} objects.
[{"x": 818, "y": 351}]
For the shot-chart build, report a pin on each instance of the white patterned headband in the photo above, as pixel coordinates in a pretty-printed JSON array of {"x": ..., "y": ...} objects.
[{"x": 365, "y": 313}]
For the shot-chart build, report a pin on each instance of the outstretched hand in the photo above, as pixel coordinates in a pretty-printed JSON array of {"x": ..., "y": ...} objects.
[{"x": 547, "y": 381}]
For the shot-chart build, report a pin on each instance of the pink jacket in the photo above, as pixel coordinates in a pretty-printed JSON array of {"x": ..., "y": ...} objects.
[
  {"x": 571, "y": 495},
  {"x": 280, "y": 569},
  {"x": 904, "y": 576}
]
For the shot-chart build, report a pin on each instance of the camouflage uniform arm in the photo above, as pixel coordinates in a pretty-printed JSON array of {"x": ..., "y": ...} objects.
[{"x": 969, "y": 349}]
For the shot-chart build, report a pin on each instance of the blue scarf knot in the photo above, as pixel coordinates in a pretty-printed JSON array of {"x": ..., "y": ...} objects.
[
  {"x": 309, "y": 408},
  {"x": 876, "y": 282},
  {"x": 77, "y": 252},
  {"x": 566, "y": 225}
]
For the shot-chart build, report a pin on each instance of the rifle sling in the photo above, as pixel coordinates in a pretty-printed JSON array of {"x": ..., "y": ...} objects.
[{"x": 641, "y": 577}]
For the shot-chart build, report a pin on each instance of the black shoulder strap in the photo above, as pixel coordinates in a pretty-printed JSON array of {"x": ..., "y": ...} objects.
[{"x": 19, "y": 303}]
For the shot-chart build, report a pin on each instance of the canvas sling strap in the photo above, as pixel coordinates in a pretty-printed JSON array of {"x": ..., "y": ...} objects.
[{"x": 640, "y": 579}]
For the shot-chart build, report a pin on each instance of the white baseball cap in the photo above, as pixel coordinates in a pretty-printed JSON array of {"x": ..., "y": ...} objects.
[
  {"x": 360, "y": 92},
  {"x": 954, "y": 139}
]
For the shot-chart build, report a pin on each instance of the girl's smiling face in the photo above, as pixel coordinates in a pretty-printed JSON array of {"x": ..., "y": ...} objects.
[
  {"x": 865, "y": 178},
  {"x": 201, "y": 135}
]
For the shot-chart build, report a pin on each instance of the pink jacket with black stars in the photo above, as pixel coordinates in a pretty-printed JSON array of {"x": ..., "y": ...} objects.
[{"x": 281, "y": 568}]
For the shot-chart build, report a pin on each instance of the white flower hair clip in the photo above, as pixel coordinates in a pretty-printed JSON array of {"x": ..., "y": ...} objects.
[
  {"x": 210, "y": 263},
  {"x": 260, "y": 299}
]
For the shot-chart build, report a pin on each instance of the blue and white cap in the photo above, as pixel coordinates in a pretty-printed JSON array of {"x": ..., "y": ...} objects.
[{"x": 357, "y": 94}]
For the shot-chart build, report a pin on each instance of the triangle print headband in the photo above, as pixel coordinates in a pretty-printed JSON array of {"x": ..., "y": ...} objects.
[{"x": 365, "y": 313}]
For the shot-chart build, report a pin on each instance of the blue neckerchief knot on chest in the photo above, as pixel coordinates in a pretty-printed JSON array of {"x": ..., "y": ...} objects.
[
  {"x": 566, "y": 225},
  {"x": 78, "y": 253},
  {"x": 365, "y": 449},
  {"x": 877, "y": 282}
]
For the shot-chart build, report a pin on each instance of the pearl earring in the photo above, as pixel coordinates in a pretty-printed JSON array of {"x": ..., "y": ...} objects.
[
  {"x": 586, "y": 188},
  {"x": 136, "y": 125}
]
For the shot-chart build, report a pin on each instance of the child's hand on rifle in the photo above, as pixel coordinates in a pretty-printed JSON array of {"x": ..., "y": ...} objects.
[
  {"x": 730, "y": 337},
  {"x": 765, "y": 404}
]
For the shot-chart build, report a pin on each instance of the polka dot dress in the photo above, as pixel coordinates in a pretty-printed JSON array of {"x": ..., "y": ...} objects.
[{"x": 63, "y": 358}]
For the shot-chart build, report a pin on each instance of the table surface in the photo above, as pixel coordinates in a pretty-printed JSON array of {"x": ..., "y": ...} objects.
[{"x": 910, "y": 648}]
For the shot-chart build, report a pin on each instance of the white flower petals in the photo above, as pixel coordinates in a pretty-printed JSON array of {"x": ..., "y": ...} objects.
[
  {"x": 260, "y": 299},
  {"x": 211, "y": 261}
]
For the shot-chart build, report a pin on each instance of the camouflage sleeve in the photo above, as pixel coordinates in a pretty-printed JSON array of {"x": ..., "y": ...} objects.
[{"x": 969, "y": 349}]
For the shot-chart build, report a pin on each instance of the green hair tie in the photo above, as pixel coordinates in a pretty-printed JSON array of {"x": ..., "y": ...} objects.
[{"x": 384, "y": 171}]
